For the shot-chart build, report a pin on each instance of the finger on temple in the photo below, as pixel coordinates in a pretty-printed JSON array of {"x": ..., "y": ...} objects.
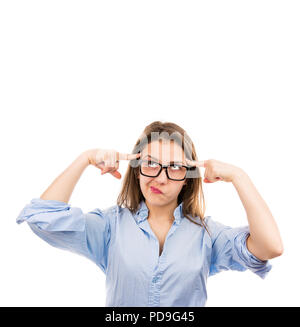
[
  {"x": 128, "y": 156},
  {"x": 190, "y": 162},
  {"x": 196, "y": 163}
]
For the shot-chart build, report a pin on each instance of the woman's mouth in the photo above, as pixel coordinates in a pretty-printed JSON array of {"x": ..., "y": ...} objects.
[{"x": 155, "y": 190}]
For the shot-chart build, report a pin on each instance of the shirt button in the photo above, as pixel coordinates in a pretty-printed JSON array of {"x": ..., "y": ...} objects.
[{"x": 155, "y": 279}]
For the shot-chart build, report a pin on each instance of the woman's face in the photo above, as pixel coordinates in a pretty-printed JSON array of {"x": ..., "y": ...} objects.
[{"x": 162, "y": 152}]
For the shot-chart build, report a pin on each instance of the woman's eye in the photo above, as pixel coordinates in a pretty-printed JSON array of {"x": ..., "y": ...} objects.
[{"x": 153, "y": 164}]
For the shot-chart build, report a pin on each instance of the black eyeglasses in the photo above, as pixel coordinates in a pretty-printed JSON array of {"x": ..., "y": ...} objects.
[{"x": 175, "y": 172}]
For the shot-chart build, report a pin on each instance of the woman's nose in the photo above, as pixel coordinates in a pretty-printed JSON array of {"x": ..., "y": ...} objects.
[{"x": 162, "y": 176}]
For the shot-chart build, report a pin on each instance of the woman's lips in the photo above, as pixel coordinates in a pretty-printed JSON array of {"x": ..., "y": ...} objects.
[{"x": 155, "y": 190}]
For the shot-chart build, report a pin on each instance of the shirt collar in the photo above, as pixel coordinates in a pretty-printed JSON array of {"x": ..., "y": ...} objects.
[{"x": 143, "y": 211}]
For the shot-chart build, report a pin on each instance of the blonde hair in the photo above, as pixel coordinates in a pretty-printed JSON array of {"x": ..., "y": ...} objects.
[{"x": 191, "y": 195}]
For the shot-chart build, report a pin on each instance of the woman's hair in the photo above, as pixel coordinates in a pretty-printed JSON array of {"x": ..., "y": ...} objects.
[{"x": 191, "y": 195}]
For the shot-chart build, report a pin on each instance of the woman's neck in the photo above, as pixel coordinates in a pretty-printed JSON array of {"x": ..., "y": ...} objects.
[{"x": 162, "y": 214}]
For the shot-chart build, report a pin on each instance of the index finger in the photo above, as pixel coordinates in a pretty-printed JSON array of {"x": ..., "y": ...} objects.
[
  {"x": 128, "y": 156},
  {"x": 196, "y": 163}
]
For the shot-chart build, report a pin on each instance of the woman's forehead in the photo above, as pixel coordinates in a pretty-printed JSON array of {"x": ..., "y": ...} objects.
[{"x": 164, "y": 151}]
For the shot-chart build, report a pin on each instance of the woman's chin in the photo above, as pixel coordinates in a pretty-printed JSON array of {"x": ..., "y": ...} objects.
[{"x": 157, "y": 200}]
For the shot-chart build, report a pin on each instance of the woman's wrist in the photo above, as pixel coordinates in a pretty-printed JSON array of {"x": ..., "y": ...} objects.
[{"x": 85, "y": 157}]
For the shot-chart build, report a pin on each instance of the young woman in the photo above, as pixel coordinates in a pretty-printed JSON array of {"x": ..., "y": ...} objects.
[{"x": 155, "y": 245}]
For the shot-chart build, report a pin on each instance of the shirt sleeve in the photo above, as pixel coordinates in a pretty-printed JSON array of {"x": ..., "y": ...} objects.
[
  {"x": 68, "y": 228},
  {"x": 230, "y": 252}
]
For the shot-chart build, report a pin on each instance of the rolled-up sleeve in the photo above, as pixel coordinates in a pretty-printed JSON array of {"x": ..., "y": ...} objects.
[
  {"x": 68, "y": 228},
  {"x": 230, "y": 252}
]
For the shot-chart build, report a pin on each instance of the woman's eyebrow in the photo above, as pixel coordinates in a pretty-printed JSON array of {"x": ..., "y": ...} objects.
[{"x": 171, "y": 162}]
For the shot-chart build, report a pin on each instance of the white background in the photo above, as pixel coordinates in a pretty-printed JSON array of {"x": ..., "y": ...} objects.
[{"x": 75, "y": 75}]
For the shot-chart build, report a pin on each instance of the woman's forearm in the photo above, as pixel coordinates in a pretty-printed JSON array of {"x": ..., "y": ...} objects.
[
  {"x": 264, "y": 240},
  {"x": 62, "y": 187}
]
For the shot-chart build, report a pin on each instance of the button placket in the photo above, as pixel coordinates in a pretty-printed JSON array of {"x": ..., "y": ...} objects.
[
  {"x": 154, "y": 280},
  {"x": 160, "y": 260},
  {"x": 154, "y": 294}
]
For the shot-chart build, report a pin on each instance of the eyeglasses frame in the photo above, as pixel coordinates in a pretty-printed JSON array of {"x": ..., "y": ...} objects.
[{"x": 166, "y": 168}]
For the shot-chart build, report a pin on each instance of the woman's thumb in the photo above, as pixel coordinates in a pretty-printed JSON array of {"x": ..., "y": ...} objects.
[{"x": 116, "y": 174}]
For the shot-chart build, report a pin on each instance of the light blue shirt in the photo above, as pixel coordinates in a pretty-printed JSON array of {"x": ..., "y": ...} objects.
[{"x": 125, "y": 248}]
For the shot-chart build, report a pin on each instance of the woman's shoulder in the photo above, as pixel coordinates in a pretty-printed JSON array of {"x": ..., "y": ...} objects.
[
  {"x": 111, "y": 213},
  {"x": 214, "y": 223},
  {"x": 107, "y": 212}
]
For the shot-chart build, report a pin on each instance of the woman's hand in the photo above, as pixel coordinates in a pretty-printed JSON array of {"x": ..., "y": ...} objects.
[
  {"x": 216, "y": 170},
  {"x": 107, "y": 160}
]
